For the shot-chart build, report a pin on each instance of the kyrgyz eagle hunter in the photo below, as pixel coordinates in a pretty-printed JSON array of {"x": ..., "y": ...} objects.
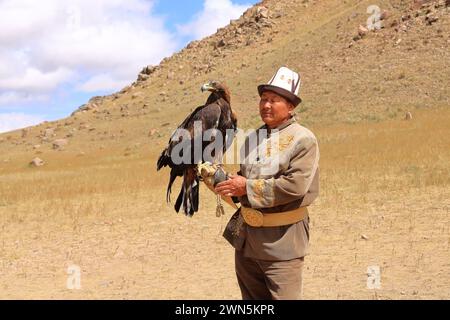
[{"x": 217, "y": 114}]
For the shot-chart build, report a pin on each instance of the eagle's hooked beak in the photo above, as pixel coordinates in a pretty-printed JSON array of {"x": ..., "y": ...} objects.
[{"x": 207, "y": 87}]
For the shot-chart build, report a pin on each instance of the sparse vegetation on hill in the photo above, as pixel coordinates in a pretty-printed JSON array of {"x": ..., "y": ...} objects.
[{"x": 347, "y": 77}]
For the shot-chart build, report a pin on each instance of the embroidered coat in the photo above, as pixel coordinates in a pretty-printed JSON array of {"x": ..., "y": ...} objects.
[{"x": 282, "y": 171}]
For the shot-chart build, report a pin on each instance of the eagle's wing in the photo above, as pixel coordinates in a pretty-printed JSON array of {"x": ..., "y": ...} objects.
[
  {"x": 191, "y": 116},
  {"x": 209, "y": 116}
]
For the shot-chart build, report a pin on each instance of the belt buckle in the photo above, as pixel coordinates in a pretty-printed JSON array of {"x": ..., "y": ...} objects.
[{"x": 252, "y": 217}]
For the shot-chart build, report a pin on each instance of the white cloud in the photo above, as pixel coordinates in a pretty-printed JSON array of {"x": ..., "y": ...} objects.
[
  {"x": 101, "y": 82},
  {"x": 34, "y": 80},
  {"x": 21, "y": 20},
  {"x": 215, "y": 14},
  {"x": 12, "y": 98},
  {"x": 12, "y": 121},
  {"x": 45, "y": 44},
  {"x": 53, "y": 48}
]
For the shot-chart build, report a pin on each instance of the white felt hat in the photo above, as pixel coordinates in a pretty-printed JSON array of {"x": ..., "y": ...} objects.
[{"x": 286, "y": 83}]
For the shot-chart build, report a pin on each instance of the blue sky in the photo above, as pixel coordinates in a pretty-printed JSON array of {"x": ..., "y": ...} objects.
[{"x": 56, "y": 55}]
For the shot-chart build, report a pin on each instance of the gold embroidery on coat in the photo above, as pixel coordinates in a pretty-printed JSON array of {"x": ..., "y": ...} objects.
[
  {"x": 272, "y": 196},
  {"x": 285, "y": 141},
  {"x": 258, "y": 187},
  {"x": 268, "y": 148}
]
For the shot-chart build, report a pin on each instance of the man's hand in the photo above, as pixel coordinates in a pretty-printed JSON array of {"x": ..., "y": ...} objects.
[{"x": 235, "y": 186}]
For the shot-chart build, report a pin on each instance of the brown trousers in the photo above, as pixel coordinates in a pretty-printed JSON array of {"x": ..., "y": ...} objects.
[{"x": 269, "y": 280}]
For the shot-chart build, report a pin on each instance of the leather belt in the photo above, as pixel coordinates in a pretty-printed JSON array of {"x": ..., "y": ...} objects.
[{"x": 256, "y": 218}]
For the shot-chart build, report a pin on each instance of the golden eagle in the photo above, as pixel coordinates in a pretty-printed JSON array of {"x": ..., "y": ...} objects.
[{"x": 215, "y": 115}]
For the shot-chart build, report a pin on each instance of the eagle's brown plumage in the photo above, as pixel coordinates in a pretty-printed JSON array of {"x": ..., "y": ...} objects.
[{"x": 216, "y": 113}]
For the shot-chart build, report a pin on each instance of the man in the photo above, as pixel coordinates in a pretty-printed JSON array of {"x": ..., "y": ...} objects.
[{"x": 278, "y": 179}]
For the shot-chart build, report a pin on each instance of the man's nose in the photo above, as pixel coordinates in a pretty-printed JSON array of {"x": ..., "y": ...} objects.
[{"x": 266, "y": 104}]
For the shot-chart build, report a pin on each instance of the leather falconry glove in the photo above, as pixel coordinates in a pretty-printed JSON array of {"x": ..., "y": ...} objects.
[{"x": 212, "y": 174}]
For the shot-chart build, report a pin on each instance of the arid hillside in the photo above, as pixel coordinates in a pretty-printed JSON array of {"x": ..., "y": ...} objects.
[{"x": 346, "y": 77}]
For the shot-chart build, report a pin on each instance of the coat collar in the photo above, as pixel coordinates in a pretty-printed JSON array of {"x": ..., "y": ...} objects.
[{"x": 281, "y": 126}]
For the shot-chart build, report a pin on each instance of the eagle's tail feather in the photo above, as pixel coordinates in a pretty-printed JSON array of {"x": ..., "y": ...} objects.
[
  {"x": 179, "y": 200},
  {"x": 195, "y": 192},
  {"x": 163, "y": 160},
  {"x": 189, "y": 194},
  {"x": 190, "y": 198},
  {"x": 173, "y": 176}
]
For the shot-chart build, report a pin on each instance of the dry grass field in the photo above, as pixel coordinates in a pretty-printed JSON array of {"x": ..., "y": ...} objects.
[{"x": 388, "y": 181}]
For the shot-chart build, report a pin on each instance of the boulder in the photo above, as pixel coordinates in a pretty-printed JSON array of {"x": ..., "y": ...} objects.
[
  {"x": 362, "y": 31},
  {"x": 37, "y": 162},
  {"x": 59, "y": 144},
  {"x": 262, "y": 13},
  {"x": 431, "y": 18},
  {"x": 143, "y": 77},
  {"x": 220, "y": 43},
  {"x": 49, "y": 133},
  {"x": 148, "y": 70}
]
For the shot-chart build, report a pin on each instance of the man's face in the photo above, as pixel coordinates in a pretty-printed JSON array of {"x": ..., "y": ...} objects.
[{"x": 274, "y": 109}]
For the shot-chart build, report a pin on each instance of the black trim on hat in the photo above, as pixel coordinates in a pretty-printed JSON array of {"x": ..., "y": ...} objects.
[
  {"x": 274, "y": 77},
  {"x": 291, "y": 97},
  {"x": 294, "y": 86}
]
